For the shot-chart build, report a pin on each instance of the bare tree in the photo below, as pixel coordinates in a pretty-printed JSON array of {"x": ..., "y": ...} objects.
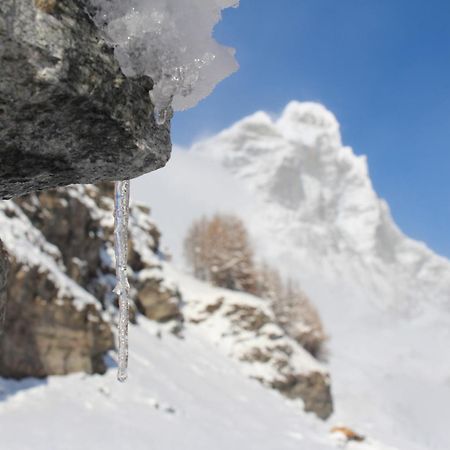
[
  {"x": 294, "y": 311},
  {"x": 219, "y": 251}
]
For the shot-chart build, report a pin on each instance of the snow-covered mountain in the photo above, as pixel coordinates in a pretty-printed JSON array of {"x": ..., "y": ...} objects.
[
  {"x": 310, "y": 206},
  {"x": 318, "y": 204}
]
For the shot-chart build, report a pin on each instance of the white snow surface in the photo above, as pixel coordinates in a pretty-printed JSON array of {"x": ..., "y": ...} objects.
[
  {"x": 171, "y": 42},
  {"x": 181, "y": 394},
  {"x": 312, "y": 211}
]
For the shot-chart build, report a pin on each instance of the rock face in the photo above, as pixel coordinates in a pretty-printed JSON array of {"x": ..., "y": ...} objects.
[
  {"x": 4, "y": 265},
  {"x": 52, "y": 325},
  {"x": 46, "y": 333},
  {"x": 78, "y": 220},
  {"x": 67, "y": 113},
  {"x": 61, "y": 310},
  {"x": 313, "y": 389}
]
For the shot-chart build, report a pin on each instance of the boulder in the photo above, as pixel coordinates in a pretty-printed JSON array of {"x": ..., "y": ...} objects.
[
  {"x": 67, "y": 112},
  {"x": 313, "y": 388},
  {"x": 157, "y": 301}
]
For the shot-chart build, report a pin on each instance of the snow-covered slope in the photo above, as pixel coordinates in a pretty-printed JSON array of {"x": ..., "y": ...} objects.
[
  {"x": 191, "y": 391},
  {"x": 312, "y": 211},
  {"x": 181, "y": 394}
]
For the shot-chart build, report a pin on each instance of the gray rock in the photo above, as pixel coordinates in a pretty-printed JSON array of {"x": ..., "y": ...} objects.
[
  {"x": 313, "y": 388},
  {"x": 48, "y": 335},
  {"x": 53, "y": 326},
  {"x": 4, "y": 266},
  {"x": 67, "y": 113}
]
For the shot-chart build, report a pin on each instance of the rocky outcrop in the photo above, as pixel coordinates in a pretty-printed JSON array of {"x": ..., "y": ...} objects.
[
  {"x": 157, "y": 301},
  {"x": 68, "y": 222},
  {"x": 246, "y": 328},
  {"x": 49, "y": 334},
  {"x": 79, "y": 221},
  {"x": 52, "y": 325},
  {"x": 313, "y": 388},
  {"x": 4, "y": 266},
  {"x": 61, "y": 310},
  {"x": 67, "y": 113}
]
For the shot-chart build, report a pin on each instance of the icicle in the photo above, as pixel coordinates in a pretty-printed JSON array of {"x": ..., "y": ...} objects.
[
  {"x": 161, "y": 116},
  {"x": 121, "y": 213},
  {"x": 161, "y": 105}
]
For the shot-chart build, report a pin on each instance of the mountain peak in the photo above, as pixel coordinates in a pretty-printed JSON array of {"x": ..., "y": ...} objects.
[
  {"x": 320, "y": 208},
  {"x": 309, "y": 113}
]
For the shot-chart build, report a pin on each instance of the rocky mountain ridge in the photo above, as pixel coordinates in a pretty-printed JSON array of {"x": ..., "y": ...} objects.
[{"x": 315, "y": 196}]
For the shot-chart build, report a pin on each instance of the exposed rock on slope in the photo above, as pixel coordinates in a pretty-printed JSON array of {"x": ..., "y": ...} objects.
[
  {"x": 52, "y": 325},
  {"x": 245, "y": 327},
  {"x": 79, "y": 221},
  {"x": 60, "y": 306},
  {"x": 4, "y": 266},
  {"x": 67, "y": 113}
]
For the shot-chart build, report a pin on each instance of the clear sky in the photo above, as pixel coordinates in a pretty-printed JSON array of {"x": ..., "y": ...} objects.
[{"x": 381, "y": 66}]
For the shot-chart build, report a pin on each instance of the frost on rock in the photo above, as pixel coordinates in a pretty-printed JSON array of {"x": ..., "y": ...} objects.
[
  {"x": 171, "y": 42},
  {"x": 121, "y": 214}
]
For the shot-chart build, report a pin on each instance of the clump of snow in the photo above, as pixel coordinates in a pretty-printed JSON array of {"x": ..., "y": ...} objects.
[{"x": 171, "y": 42}]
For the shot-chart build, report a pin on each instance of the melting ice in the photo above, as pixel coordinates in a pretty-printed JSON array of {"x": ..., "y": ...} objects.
[
  {"x": 121, "y": 214},
  {"x": 171, "y": 42}
]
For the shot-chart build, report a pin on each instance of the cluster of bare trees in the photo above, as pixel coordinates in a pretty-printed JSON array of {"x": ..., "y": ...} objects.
[{"x": 219, "y": 251}]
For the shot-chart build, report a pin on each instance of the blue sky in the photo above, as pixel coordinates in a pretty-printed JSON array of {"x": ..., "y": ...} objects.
[{"x": 381, "y": 66}]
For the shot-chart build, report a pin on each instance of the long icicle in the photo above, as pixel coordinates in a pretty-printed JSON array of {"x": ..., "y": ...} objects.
[{"x": 121, "y": 214}]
